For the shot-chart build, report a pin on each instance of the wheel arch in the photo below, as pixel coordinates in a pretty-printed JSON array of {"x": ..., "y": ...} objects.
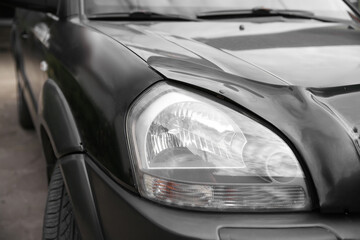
[{"x": 57, "y": 125}]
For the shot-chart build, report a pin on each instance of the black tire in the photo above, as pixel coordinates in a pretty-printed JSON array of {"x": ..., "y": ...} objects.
[
  {"x": 59, "y": 221},
  {"x": 23, "y": 111}
]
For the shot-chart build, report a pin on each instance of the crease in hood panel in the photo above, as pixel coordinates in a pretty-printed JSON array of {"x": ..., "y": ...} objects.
[{"x": 163, "y": 50}]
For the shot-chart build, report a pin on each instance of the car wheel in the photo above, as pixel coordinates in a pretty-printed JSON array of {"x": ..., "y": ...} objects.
[
  {"x": 59, "y": 221},
  {"x": 23, "y": 111}
]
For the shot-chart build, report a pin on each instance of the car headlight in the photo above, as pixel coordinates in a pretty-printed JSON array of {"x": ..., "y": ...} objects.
[{"x": 193, "y": 152}]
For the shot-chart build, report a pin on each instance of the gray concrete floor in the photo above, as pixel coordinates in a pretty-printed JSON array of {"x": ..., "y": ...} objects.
[{"x": 23, "y": 186}]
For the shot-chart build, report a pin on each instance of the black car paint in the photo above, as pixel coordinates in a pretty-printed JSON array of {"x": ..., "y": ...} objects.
[{"x": 97, "y": 69}]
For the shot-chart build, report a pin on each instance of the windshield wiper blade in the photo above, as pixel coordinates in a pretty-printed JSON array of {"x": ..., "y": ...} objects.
[
  {"x": 262, "y": 12},
  {"x": 139, "y": 16}
]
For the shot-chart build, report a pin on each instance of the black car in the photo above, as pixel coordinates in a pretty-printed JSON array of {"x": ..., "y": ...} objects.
[{"x": 194, "y": 119}]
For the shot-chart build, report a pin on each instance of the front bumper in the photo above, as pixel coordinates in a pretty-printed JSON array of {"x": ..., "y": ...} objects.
[{"x": 124, "y": 215}]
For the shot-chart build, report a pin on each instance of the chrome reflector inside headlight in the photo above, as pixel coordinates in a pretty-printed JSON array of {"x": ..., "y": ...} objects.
[{"x": 191, "y": 151}]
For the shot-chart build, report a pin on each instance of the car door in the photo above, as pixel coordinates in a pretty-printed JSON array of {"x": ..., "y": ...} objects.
[{"x": 34, "y": 29}]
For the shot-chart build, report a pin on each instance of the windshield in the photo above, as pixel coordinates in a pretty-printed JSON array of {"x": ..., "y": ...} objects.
[{"x": 337, "y": 9}]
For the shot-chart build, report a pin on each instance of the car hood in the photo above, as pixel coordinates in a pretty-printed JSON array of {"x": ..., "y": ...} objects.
[
  {"x": 310, "y": 53},
  {"x": 322, "y": 57},
  {"x": 300, "y": 76}
]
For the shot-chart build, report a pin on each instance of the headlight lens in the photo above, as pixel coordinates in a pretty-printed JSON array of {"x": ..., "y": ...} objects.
[{"x": 193, "y": 152}]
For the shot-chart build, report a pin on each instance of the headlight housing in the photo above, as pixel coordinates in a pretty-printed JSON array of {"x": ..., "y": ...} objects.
[{"x": 190, "y": 151}]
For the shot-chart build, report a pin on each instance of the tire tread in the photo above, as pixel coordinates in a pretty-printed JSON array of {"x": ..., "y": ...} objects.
[{"x": 59, "y": 221}]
